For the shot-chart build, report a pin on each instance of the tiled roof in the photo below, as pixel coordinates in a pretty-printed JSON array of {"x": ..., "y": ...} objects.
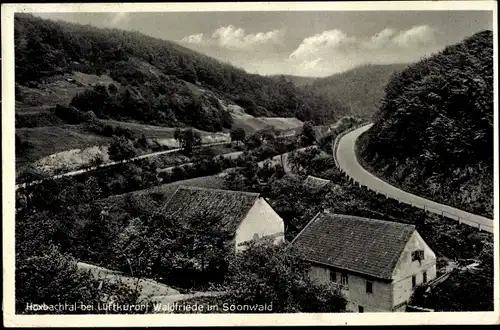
[
  {"x": 230, "y": 206},
  {"x": 367, "y": 246}
]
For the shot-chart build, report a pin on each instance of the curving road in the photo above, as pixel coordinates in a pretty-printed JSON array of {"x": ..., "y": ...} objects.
[{"x": 347, "y": 161}]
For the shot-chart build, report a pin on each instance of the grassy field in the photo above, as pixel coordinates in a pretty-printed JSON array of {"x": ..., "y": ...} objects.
[
  {"x": 253, "y": 124},
  {"x": 57, "y": 90},
  {"x": 51, "y": 135},
  {"x": 52, "y": 139},
  {"x": 154, "y": 132}
]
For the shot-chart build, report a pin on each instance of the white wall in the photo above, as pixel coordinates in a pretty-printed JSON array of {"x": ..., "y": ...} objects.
[
  {"x": 260, "y": 221},
  {"x": 385, "y": 295},
  {"x": 380, "y": 300},
  {"x": 406, "y": 268}
]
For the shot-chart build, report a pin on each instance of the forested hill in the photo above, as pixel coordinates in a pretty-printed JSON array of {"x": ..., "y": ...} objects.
[
  {"x": 360, "y": 89},
  {"x": 434, "y": 131},
  {"x": 298, "y": 81},
  {"x": 45, "y": 48}
]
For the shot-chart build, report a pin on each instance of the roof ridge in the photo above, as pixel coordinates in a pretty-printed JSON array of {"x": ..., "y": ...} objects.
[
  {"x": 306, "y": 226},
  {"x": 325, "y": 240},
  {"x": 355, "y": 217},
  {"x": 256, "y": 194},
  {"x": 393, "y": 264}
]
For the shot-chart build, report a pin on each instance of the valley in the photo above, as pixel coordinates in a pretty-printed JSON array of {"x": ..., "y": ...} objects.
[{"x": 147, "y": 171}]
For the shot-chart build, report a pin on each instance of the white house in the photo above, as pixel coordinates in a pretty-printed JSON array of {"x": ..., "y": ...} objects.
[
  {"x": 245, "y": 214},
  {"x": 376, "y": 264}
]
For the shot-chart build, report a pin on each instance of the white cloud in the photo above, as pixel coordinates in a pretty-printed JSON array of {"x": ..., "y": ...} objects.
[
  {"x": 339, "y": 51},
  {"x": 328, "y": 40},
  {"x": 194, "y": 38},
  {"x": 417, "y": 36},
  {"x": 321, "y": 54},
  {"x": 236, "y": 38},
  {"x": 381, "y": 39},
  {"x": 119, "y": 17},
  {"x": 335, "y": 41}
]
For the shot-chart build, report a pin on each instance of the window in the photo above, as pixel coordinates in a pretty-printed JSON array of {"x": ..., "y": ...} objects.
[
  {"x": 369, "y": 287},
  {"x": 424, "y": 277},
  {"x": 333, "y": 277},
  {"x": 413, "y": 281},
  {"x": 417, "y": 255},
  {"x": 343, "y": 279},
  {"x": 361, "y": 309}
]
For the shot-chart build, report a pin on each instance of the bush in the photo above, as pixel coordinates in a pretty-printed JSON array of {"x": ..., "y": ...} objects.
[
  {"x": 70, "y": 114},
  {"x": 88, "y": 116},
  {"x": 307, "y": 135},
  {"x": 276, "y": 275},
  {"x": 121, "y": 148},
  {"x": 22, "y": 146},
  {"x": 238, "y": 134},
  {"x": 97, "y": 100},
  {"x": 188, "y": 139}
]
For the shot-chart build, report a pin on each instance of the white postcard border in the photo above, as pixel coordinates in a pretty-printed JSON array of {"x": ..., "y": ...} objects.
[{"x": 8, "y": 182}]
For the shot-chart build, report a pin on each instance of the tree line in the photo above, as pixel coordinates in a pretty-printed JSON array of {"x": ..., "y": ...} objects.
[
  {"x": 433, "y": 133},
  {"x": 46, "y": 48}
]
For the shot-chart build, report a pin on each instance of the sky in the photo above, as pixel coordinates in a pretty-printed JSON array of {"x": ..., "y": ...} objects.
[{"x": 306, "y": 43}]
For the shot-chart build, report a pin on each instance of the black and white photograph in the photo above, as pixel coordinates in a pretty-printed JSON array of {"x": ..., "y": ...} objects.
[{"x": 265, "y": 163}]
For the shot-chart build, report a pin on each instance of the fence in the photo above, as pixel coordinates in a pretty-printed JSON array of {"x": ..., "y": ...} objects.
[{"x": 481, "y": 223}]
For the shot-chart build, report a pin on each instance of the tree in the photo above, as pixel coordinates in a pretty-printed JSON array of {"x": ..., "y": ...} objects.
[
  {"x": 307, "y": 135},
  {"x": 121, "y": 148},
  {"x": 464, "y": 290},
  {"x": 112, "y": 88},
  {"x": 238, "y": 134},
  {"x": 268, "y": 134},
  {"x": 253, "y": 141},
  {"x": 22, "y": 146},
  {"x": 440, "y": 112},
  {"x": 53, "y": 278},
  {"x": 188, "y": 139},
  {"x": 142, "y": 142},
  {"x": 188, "y": 250},
  {"x": 276, "y": 275},
  {"x": 44, "y": 48}
]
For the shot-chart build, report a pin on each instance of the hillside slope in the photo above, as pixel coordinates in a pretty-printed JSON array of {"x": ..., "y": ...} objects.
[
  {"x": 298, "y": 81},
  {"x": 152, "y": 69},
  {"x": 360, "y": 89},
  {"x": 433, "y": 134}
]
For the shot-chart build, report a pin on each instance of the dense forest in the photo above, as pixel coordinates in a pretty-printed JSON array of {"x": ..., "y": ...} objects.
[
  {"x": 434, "y": 131},
  {"x": 360, "y": 89},
  {"x": 298, "y": 81},
  {"x": 151, "y": 75}
]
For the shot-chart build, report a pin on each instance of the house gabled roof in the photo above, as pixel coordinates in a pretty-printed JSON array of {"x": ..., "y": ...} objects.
[
  {"x": 367, "y": 246},
  {"x": 231, "y": 207}
]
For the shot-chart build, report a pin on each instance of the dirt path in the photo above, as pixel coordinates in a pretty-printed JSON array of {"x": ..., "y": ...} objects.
[{"x": 150, "y": 290}]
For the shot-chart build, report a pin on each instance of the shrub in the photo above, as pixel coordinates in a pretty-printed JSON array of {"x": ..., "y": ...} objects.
[
  {"x": 121, "y": 148},
  {"x": 69, "y": 114}
]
